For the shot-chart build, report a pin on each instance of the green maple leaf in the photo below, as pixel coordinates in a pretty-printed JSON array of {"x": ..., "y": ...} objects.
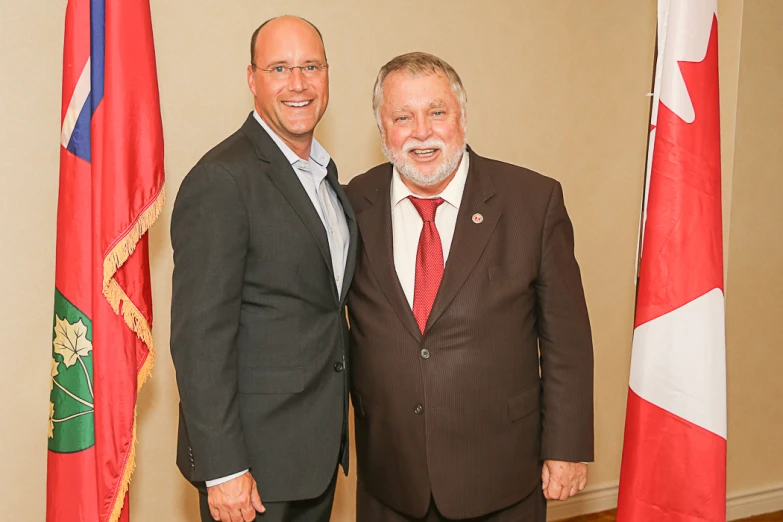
[{"x": 71, "y": 341}]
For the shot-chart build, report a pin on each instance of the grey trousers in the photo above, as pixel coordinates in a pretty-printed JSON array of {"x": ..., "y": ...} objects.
[{"x": 317, "y": 509}]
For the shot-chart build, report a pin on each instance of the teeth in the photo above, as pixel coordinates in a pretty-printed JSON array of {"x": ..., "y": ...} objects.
[
  {"x": 424, "y": 152},
  {"x": 297, "y": 104}
]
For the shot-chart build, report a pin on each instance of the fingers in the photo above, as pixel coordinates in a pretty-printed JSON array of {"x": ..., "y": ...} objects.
[
  {"x": 235, "y": 500},
  {"x": 247, "y": 514},
  {"x": 229, "y": 512},
  {"x": 554, "y": 490},
  {"x": 237, "y": 512},
  {"x": 562, "y": 480},
  {"x": 545, "y": 476},
  {"x": 255, "y": 500},
  {"x": 224, "y": 515}
]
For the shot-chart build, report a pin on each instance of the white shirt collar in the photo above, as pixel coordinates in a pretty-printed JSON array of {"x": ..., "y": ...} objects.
[
  {"x": 317, "y": 153},
  {"x": 452, "y": 194}
]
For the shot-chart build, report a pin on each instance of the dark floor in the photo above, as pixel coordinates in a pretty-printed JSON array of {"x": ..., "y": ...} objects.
[{"x": 608, "y": 516}]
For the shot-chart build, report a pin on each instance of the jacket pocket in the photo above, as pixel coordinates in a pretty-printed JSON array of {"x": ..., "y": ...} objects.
[
  {"x": 271, "y": 380},
  {"x": 523, "y": 404}
]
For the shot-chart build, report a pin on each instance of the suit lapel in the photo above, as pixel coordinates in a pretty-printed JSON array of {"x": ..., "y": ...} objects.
[
  {"x": 376, "y": 228},
  {"x": 350, "y": 218},
  {"x": 470, "y": 238},
  {"x": 283, "y": 176}
]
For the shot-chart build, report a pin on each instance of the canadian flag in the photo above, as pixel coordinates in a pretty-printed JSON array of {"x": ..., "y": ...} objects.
[{"x": 674, "y": 453}]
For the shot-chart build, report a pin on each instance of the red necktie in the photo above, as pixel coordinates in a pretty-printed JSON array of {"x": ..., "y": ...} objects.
[{"x": 429, "y": 260}]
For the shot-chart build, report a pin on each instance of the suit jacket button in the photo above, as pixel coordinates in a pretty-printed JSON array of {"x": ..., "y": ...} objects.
[
  {"x": 338, "y": 366},
  {"x": 425, "y": 353},
  {"x": 418, "y": 410}
]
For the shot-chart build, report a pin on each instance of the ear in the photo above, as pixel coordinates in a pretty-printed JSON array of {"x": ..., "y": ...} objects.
[{"x": 251, "y": 79}]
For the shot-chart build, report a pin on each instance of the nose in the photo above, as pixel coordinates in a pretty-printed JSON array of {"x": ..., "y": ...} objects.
[
  {"x": 297, "y": 81},
  {"x": 422, "y": 128}
]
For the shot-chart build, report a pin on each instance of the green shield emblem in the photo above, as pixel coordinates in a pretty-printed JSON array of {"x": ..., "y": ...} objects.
[{"x": 72, "y": 399}]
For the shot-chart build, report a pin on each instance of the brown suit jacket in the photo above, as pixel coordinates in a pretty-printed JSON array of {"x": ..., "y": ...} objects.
[{"x": 467, "y": 411}]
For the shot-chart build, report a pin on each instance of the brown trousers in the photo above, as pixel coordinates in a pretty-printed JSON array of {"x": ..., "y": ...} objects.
[{"x": 530, "y": 509}]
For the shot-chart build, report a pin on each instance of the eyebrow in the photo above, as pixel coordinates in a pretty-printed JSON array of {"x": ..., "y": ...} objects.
[
  {"x": 436, "y": 104},
  {"x": 285, "y": 62}
]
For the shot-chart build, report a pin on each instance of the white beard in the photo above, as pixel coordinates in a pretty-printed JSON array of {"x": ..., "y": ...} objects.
[{"x": 451, "y": 159}]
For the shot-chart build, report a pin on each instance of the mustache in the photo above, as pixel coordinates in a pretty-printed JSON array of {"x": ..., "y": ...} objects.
[{"x": 432, "y": 143}]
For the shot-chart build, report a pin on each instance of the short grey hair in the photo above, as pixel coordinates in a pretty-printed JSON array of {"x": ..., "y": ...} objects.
[{"x": 418, "y": 64}]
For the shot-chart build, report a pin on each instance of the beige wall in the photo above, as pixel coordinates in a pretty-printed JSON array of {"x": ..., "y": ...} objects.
[
  {"x": 754, "y": 293},
  {"x": 31, "y": 63},
  {"x": 558, "y": 86}
]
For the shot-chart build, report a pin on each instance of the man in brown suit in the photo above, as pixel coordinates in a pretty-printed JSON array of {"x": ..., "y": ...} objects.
[{"x": 472, "y": 383}]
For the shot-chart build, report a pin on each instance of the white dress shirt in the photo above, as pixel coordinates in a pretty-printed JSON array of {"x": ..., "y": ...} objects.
[
  {"x": 407, "y": 223},
  {"x": 312, "y": 176}
]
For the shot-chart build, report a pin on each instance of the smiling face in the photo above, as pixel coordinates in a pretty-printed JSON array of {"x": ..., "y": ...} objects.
[
  {"x": 422, "y": 130},
  {"x": 294, "y": 105}
]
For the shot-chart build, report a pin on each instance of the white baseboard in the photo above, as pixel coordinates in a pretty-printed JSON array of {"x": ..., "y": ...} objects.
[
  {"x": 591, "y": 500},
  {"x": 748, "y": 503},
  {"x": 740, "y": 504}
]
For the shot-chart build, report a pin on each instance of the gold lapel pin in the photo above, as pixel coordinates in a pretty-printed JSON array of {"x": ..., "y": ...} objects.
[{"x": 477, "y": 218}]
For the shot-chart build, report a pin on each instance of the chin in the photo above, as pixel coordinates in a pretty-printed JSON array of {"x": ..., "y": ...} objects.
[
  {"x": 301, "y": 127},
  {"x": 429, "y": 172}
]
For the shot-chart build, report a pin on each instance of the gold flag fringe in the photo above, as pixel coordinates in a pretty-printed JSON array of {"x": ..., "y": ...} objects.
[
  {"x": 125, "y": 247},
  {"x": 134, "y": 319}
]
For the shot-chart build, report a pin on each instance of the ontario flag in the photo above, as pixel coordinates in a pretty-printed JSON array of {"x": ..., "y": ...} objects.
[
  {"x": 674, "y": 454},
  {"x": 111, "y": 191}
]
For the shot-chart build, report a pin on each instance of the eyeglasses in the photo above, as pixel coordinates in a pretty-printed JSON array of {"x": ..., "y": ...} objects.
[{"x": 283, "y": 72}]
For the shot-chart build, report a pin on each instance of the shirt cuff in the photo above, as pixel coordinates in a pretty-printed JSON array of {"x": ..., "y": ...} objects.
[{"x": 215, "y": 482}]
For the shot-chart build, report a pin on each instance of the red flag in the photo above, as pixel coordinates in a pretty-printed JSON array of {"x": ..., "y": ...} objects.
[
  {"x": 674, "y": 454},
  {"x": 111, "y": 191}
]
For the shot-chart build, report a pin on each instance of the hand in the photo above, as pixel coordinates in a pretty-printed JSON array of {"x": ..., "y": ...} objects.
[
  {"x": 562, "y": 480},
  {"x": 236, "y": 500}
]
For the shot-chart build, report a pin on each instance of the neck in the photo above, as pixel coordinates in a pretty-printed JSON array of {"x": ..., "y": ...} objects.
[
  {"x": 300, "y": 147},
  {"x": 300, "y": 144}
]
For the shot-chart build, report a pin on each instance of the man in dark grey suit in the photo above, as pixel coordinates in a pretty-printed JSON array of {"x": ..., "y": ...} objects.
[{"x": 264, "y": 247}]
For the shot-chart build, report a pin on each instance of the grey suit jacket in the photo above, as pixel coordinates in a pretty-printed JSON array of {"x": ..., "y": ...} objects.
[
  {"x": 502, "y": 377},
  {"x": 258, "y": 334}
]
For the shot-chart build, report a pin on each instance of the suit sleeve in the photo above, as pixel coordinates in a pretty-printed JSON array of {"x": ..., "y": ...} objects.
[
  {"x": 209, "y": 234},
  {"x": 565, "y": 343}
]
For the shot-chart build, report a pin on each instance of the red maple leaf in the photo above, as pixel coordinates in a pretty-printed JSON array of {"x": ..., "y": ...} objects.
[{"x": 682, "y": 253}]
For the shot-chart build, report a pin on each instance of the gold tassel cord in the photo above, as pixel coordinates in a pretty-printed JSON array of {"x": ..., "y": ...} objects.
[{"x": 134, "y": 319}]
